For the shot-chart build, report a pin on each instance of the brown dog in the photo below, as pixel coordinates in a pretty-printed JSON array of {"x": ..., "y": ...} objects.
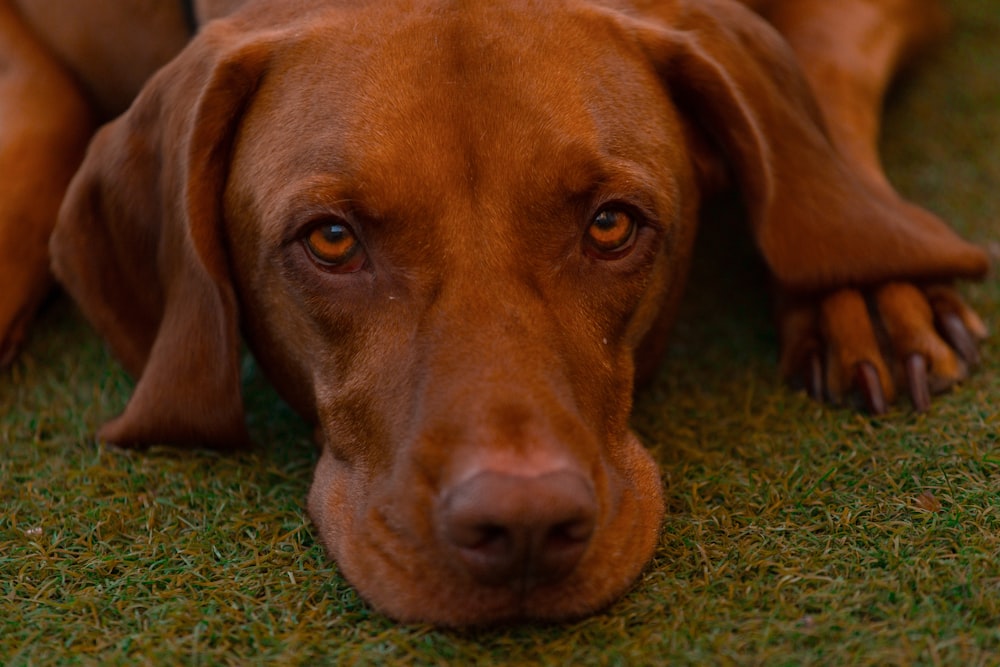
[{"x": 451, "y": 232}]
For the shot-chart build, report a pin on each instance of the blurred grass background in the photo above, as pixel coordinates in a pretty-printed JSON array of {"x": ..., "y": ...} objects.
[{"x": 796, "y": 534}]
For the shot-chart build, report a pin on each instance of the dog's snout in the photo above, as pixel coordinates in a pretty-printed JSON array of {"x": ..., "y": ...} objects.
[{"x": 518, "y": 530}]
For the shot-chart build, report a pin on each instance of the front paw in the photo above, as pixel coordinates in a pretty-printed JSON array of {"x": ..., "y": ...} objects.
[{"x": 874, "y": 344}]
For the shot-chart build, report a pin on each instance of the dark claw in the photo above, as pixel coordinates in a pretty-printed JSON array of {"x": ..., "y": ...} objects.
[
  {"x": 867, "y": 382},
  {"x": 11, "y": 343},
  {"x": 9, "y": 347},
  {"x": 7, "y": 350},
  {"x": 814, "y": 376},
  {"x": 960, "y": 338},
  {"x": 916, "y": 378}
]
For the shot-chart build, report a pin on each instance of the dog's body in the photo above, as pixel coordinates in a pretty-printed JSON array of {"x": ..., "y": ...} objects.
[{"x": 451, "y": 232}]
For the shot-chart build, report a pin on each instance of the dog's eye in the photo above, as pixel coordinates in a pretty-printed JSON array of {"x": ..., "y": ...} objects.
[
  {"x": 335, "y": 248},
  {"x": 611, "y": 234}
]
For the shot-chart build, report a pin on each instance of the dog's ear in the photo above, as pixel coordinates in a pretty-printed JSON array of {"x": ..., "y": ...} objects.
[
  {"x": 139, "y": 245},
  {"x": 817, "y": 222}
]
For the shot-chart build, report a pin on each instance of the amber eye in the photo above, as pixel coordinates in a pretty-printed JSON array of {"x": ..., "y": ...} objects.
[
  {"x": 611, "y": 234},
  {"x": 335, "y": 247}
]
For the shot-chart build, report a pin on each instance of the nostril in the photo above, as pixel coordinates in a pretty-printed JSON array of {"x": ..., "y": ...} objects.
[
  {"x": 490, "y": 552},
  {"x": 509, "y": 529},
  {"x": 487, "y": 536},
  {"x": 488, "y": 539},
  {"x": 563, "y": 547},
  {"x": 570, "y": 533}
]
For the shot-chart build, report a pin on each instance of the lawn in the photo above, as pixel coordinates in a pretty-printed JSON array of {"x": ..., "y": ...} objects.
[{"x": 795, "y": 533}]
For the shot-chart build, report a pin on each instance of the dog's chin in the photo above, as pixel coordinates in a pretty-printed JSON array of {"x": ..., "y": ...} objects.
[{"x": 386, "y": 548}]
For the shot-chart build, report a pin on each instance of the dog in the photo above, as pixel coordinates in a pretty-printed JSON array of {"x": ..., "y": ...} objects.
[{"x": 454, "y": 235}]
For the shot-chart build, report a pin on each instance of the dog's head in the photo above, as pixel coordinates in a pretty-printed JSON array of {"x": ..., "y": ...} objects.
[{"x": 445, "y": 230}]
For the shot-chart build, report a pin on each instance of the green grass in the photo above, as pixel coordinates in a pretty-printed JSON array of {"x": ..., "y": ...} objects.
[{"x": 796, "y": 534}]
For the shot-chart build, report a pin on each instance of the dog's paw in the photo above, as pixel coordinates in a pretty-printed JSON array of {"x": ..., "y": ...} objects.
[{"x": 895, "y": 338}]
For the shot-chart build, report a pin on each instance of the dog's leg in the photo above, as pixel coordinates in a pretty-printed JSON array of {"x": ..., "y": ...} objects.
[
  {"x": 919, "y": 337},
  {"x": 45, "y": 123},
  {"x": 850, "y": 51}
]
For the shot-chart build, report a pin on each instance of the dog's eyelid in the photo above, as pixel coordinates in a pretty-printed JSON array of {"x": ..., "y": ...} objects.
[
  {"x": 632, "y": 187},
  {"x": 315, "y": 201},
  {"x": 301, "y": 221},
  {"x": 639, "y": 206}
]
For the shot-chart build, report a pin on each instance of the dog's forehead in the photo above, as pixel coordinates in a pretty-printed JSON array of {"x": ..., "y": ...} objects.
[{"x": 455, "y": 97}]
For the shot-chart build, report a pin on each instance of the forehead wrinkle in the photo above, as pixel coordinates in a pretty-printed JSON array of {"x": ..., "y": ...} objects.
[{"x": 459, "y": 122}]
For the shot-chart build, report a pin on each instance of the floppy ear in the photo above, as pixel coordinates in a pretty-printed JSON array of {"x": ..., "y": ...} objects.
[
  {"x": 139, "y": 245},
  {"x": 818, "y": 223}
]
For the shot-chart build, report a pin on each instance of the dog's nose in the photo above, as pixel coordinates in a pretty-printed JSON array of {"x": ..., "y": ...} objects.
[{"x": 519, "y": 530}]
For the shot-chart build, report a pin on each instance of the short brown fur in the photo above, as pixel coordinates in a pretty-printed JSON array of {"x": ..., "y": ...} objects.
[{"x": 483, "y": 344}]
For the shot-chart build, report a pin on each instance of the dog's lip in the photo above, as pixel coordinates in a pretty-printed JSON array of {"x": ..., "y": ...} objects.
[{"x": 494, "y": 603}]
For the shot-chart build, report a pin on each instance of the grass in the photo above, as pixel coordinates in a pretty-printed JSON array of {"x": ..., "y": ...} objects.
[{"x": 796, "y": 534}]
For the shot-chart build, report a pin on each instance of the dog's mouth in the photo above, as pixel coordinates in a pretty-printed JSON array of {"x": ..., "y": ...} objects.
[{"x": 495, "y": 547}]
